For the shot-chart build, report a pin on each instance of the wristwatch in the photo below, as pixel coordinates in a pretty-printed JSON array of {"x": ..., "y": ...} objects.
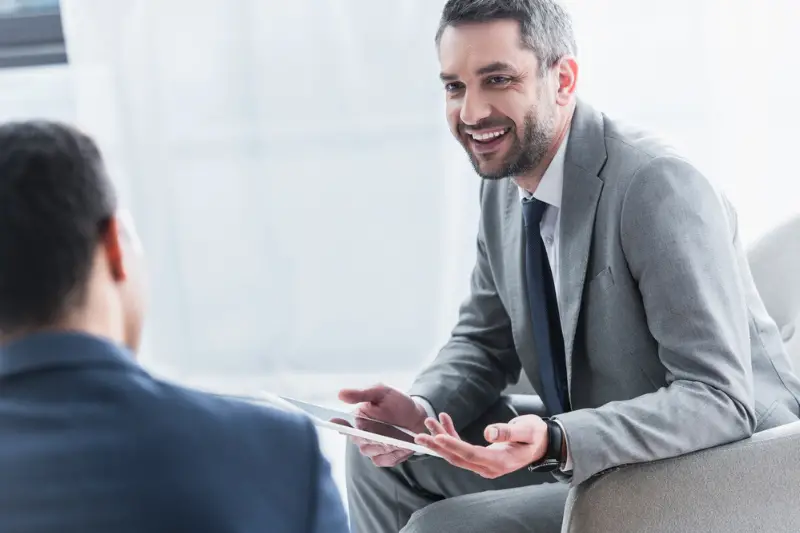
[{"x": 553, "y": 457}]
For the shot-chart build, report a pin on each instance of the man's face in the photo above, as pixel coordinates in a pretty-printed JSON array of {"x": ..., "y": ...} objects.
[{"x": 498, "y": 107}]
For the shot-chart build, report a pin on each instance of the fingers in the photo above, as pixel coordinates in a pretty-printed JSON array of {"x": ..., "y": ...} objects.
[
  {"x": 372, "y": 449},
  {"x": 467, "y": 451},
  {"x": 381, "y": 454},
  {"x": 448, "y": 425},
  {"x": 442, "y": 445},
  {"x": 372, "y": 395},
  {"x": 509, "y": 433},
  {"x": 443, "y": 426},
  {"x": 435, "y": 427},
  {"x": 392, "y": 458},
  {"x": 456, "y": 448},
  {"x": 341, "y": 422}
]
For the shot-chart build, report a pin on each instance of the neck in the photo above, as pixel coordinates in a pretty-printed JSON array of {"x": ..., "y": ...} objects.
[
  {"x": 94, "y": 324},
  {"x": 98, "y": 317},
  {"x": 64, "y": 327},
  {"x": 530, "y": 180}
]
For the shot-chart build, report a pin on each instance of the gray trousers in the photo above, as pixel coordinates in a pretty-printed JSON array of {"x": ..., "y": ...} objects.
[{"x": 428, "y": 495}]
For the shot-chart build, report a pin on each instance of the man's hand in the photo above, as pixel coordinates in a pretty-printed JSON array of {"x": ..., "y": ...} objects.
[
  {"x": 514, "y": 445},
  {"x": 387, "y": 405}
]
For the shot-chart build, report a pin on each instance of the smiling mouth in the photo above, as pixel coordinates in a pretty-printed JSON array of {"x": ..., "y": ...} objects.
[
  {"x": 488, "y": 137},
  {"x": 487, "y": 142}
]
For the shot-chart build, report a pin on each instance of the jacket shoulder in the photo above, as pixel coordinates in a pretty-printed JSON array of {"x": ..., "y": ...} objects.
[{"x": 227, "y": 411}]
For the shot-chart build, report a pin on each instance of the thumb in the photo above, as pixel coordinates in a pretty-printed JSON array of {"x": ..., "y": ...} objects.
[
  {"x": 372, "y": 395},
  {"x": 509, "y": 433}
]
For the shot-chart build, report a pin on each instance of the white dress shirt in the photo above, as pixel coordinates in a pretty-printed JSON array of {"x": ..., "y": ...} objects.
[{"x": 549, "y": 191}]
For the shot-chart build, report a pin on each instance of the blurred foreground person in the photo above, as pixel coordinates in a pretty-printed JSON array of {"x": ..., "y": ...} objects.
[{"x": 89, "y": 442}]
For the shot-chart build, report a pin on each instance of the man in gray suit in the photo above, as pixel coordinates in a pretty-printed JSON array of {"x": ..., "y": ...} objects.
[{"x": 608, "y": 268}]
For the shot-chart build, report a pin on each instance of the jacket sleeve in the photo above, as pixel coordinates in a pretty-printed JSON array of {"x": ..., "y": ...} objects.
[{"x": 479, "y": 360}]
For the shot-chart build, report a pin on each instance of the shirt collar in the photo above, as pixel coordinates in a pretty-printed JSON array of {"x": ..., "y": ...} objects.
[{"x": 552, "y": 184}]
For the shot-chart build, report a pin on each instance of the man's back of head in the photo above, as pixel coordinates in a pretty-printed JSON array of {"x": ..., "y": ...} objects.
[
  {"x": 89, "y": 441},
  {"x": 63, "y": 263}
]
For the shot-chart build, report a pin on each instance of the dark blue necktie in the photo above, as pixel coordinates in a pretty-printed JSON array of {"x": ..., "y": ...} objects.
[{"x": 547, "y": 335}]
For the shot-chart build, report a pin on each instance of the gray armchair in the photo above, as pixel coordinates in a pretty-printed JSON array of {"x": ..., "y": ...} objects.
[
  {"x": 745, "y": 487},
  {"x": 775, "y": 265},
  {"x": 714, "y": 490}
]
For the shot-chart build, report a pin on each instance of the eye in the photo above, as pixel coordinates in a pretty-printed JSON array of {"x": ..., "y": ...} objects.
[
  {"x": 498, "y": 80},
  {"x": 453, "y": 87}
]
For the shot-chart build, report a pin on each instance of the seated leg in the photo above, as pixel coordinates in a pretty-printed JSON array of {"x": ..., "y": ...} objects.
[{"x": 534, "y": 509}]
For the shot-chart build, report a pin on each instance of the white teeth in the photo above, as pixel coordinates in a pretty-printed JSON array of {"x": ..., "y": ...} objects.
[{"x": 487, "y": 136}]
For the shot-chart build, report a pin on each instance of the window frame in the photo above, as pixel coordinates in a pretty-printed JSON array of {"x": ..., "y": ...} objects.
[{"x": 32, "y": 39}]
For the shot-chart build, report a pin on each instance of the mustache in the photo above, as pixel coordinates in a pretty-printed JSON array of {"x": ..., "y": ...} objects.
[{"x": 484, "y": 125}]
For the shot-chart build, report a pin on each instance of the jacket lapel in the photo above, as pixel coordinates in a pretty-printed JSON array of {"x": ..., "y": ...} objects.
[{"x": 585, "y": 157}]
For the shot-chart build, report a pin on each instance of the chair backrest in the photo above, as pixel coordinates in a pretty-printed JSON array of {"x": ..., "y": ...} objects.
[{"x": 775, "y": 264}]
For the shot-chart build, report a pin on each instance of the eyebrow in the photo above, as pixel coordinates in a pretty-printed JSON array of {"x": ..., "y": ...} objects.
[{"x": 496, "y": 66}]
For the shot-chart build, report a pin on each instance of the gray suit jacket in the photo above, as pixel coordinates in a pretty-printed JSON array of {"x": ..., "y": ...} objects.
[{"x": 669, "y": 348}]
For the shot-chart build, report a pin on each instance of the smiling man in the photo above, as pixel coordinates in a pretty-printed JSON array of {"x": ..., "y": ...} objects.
[{"x": 607, "y": 267}]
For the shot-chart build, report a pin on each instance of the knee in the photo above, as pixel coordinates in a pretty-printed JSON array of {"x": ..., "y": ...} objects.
[
  {"x": 442, "y": 516},
  {"x": 424, "y": 521}
]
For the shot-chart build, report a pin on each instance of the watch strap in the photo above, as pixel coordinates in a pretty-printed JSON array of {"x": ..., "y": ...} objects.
[{"x": 552, "y": 459}]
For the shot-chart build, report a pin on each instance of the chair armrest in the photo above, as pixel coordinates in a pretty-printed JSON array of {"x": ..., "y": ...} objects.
[
  {"x": 525, "y": 404},
  {"x": 742, "y": 487}
]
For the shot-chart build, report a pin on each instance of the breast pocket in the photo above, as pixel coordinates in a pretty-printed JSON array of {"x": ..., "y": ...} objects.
[{"x": 602, "y": 281}]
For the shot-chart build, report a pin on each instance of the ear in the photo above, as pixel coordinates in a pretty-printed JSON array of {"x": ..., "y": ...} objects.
[
  {"x": 567, "y": 80},
  {"x": 113, "y": 250}
]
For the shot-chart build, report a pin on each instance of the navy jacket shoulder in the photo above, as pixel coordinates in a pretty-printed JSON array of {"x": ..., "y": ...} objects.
[{"x": 91, "y": 442}]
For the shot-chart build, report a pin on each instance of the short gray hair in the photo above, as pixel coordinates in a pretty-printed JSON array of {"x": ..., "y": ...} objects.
[{"x": 545, "y": 25}]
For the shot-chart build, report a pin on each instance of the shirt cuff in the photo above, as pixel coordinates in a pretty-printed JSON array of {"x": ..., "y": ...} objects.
[
  {"x": 567, "y": 466},
  {"x": 425, "y": 405}
]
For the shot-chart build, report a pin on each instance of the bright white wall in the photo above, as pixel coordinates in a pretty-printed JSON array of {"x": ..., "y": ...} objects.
[
  {"x": 718, "y": 77},
  {"x": 302, "y": 203},
  {"x": 37, "y": 92},
  {"x": 284, "y": 162}
]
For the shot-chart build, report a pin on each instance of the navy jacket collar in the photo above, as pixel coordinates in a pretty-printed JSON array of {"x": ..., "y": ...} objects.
[{"x": 44, "y": 351}]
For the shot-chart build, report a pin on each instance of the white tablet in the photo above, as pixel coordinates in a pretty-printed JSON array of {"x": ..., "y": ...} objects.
[{"x": 347, "y": 423}]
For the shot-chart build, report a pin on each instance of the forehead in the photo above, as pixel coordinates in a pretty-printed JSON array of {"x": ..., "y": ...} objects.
[{"x": 467, "y": 47}]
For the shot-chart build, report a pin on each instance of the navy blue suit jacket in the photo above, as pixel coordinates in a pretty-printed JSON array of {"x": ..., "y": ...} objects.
[{"x": 90, "y": 443}]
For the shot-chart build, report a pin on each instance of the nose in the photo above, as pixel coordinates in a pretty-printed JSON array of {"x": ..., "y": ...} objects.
[{"x": 474, "y": 108}]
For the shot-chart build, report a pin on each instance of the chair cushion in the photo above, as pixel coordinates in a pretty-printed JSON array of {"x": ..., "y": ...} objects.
[{"x": 741, "y": 487}]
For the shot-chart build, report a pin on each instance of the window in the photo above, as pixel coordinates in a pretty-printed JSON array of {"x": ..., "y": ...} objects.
[{"x": 31, "y": 33}]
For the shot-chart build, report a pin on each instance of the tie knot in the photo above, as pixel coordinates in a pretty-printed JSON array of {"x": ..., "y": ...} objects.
[{"x": 533, "y": 211}]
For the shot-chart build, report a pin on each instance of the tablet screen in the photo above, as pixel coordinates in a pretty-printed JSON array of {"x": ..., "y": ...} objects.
[{"x": 354, "y": 421}]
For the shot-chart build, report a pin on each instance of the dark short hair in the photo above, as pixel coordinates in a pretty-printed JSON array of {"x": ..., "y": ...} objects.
[
  {"x": 55, "y": 202},
  {"x": 545, "y": 26}
]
